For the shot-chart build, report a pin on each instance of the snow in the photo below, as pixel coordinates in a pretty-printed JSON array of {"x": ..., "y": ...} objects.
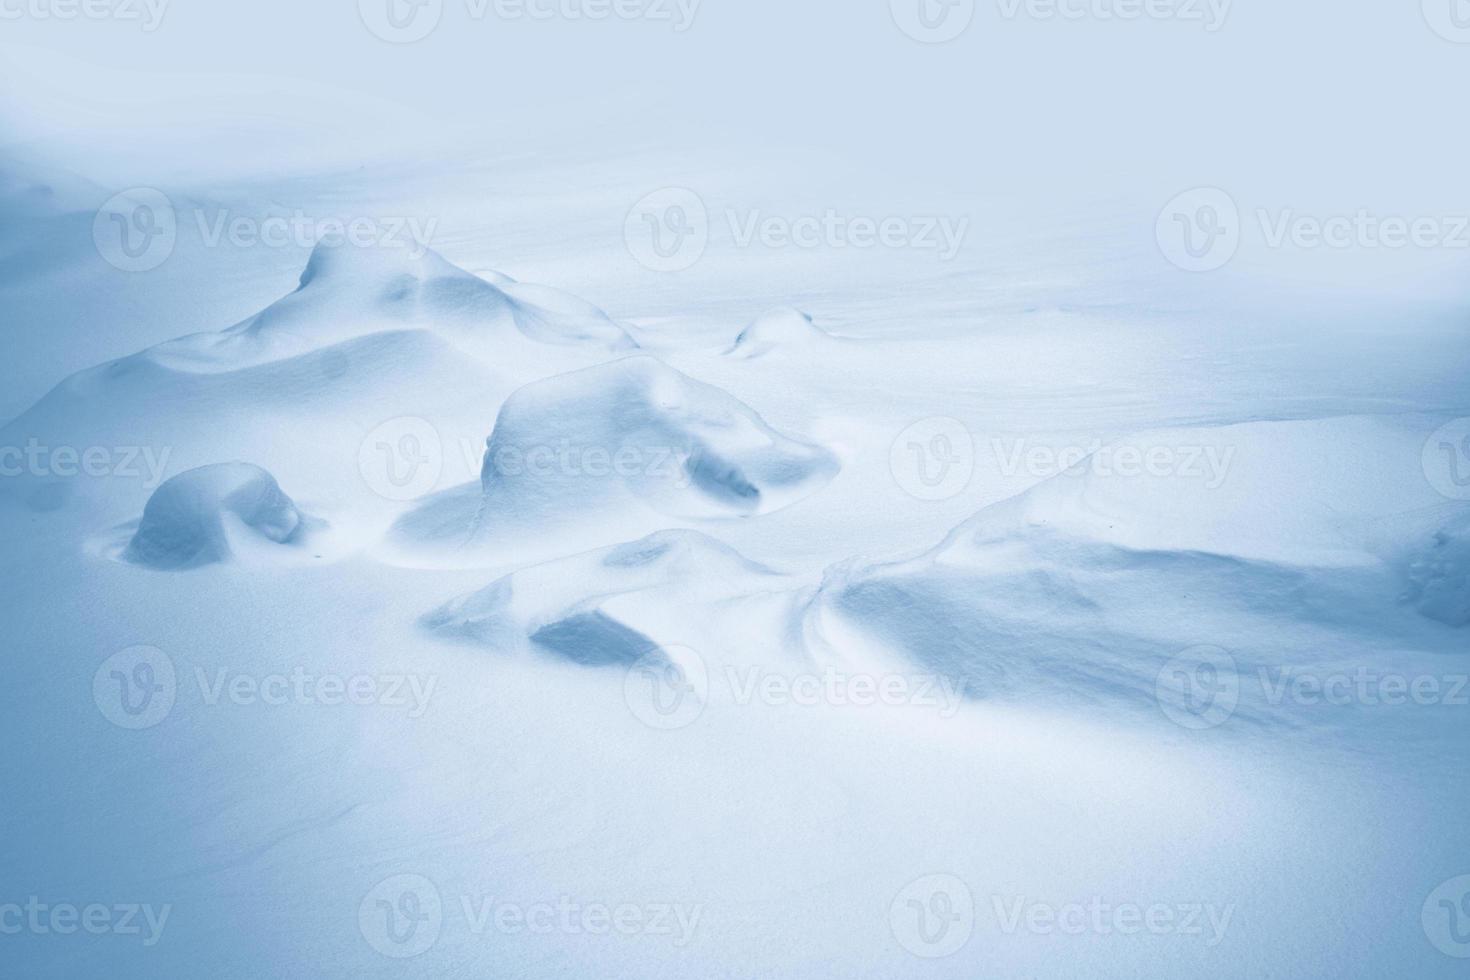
[
  {"x": 794, "y": 593},
  {"x": 777, "y": 330},
  {"x": 618, "y": 450},
  {"x": 186, "y": 522},
  {"x": 1439, "y": 575}
]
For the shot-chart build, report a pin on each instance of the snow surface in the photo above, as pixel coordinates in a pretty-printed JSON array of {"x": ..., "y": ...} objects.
[{"x": 361, "y": 536}]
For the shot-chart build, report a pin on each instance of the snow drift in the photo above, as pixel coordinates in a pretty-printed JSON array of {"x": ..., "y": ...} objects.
[
  {"x": 348, "y": 291},
  {"x": 620, "y": 449},
  {"x": 190, "y": 519},
  {"x": 1439, "y": 575},
  {"x": 1057, "y": 594},
  {"x": 369, "y": 335},
  {"x": 782, "y": 328},
  {"x": 613, "y": 605}
]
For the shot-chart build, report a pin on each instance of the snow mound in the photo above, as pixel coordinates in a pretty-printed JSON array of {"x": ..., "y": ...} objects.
[
  {"x": 616, "y": 451},
  {"x": 1039, "y": 618},
  {"x": 1055, "y": 595},
  {"x": 608, "y": 606},
  {"x": 349, "y": 291},
  {"x": 688, "y": 448},
  {"x": 1319, "y": 492},
  {"x": 370, "y": 335},
  {"x": 783, "y": 327},
  {"x": 1440, "y": 575},
  {"x": 190, "y": 519}
]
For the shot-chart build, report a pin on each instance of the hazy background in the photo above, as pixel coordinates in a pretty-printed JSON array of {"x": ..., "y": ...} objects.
[
  {"x": 1060, "y": 139},
  {"x": 1304, "y": 101}
]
